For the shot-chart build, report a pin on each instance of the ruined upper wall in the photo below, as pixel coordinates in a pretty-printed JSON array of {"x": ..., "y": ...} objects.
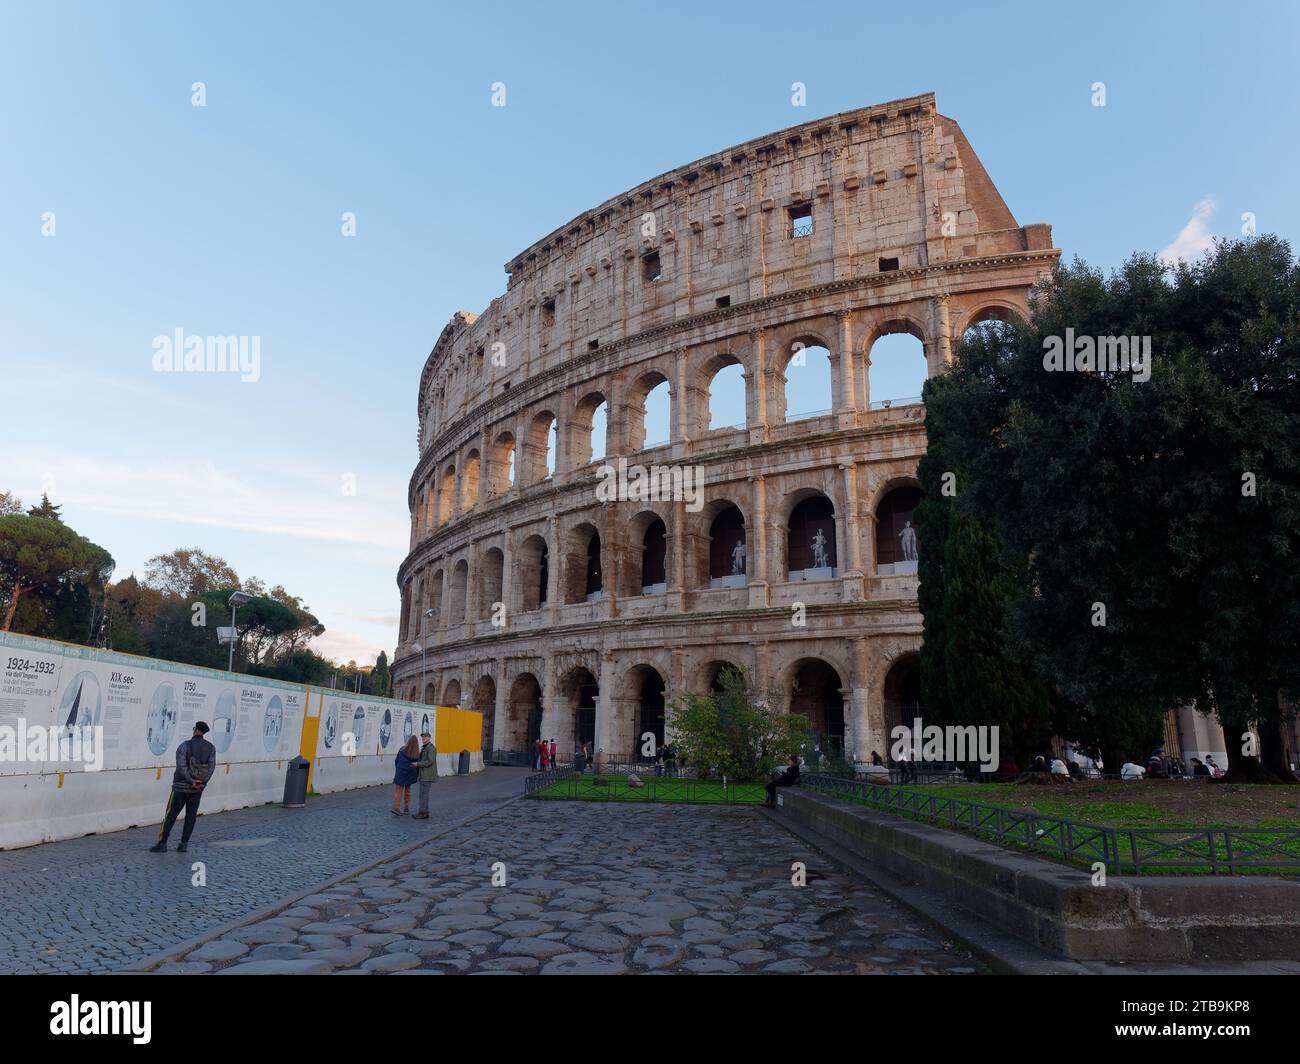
[{"x": 892, "y": 186}]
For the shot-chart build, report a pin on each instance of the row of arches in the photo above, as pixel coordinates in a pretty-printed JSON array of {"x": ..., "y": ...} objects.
[
  {"x": 802, "y": 382},
  {"x": 720, "y": 557},
  {"x": 639, "y": 705}
]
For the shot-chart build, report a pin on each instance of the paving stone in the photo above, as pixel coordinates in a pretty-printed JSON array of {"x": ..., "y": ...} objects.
[
  {"x": 297, "y": 966},
  {"x": 340, "y": 958},
  {"x": 524, "y": 928},
  {"x": 510, "y": 964},
  {"x": 322, "y": 941},
  {"x": 658, "y": 953},
  {"x": 533, "y": 947},
  {"x": 584, "y": 964},
  {"x": 597, "y": 942},
  {"x": 474, "y": 938},
  {"x": 222, "y": 949},
  {"x": 257, "y": 934},
  {"x": 374, "y": 940},
  {"x": 753, "y": 956},
  {"x": 461, "y": 922},
  {"x": 711, "y": 966},
  {"x": 183, "y": 968},
  {"x": 791, "y": 966},
  {"x": 391, "y": 962},
  {"x": 277, "y": 951}
]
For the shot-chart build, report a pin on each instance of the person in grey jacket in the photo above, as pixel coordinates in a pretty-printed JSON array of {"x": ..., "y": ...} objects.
[
  {"x": 196, "y": 761},
  {"x": 428, "y": 773}
]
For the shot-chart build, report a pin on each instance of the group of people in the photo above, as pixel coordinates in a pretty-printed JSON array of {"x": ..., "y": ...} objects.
[
  {"x": 417, "y": 762},
  {"x": 544, "y": 751},
  {"x": 1159, "y": 766}
]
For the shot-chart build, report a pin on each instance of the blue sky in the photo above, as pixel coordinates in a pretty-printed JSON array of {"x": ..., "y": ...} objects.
[{"x": 225, "y": 219}]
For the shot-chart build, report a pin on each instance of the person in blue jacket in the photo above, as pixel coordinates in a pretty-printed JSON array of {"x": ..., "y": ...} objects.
[{"x": 406, "y": 774}]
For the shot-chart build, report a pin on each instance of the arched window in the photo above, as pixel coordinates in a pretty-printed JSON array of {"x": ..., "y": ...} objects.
[
  {"x": 430, "y": 622},
  {"x": 594, "y": 583},
  {"x": 589, "y": 429},
  {"x": 897, "y": 546},
  {"x": 816, "y": 695},
  {"x": 530, "y": 569},
  {"x": 469, "y": 488},
  {"x": 808, "y": 387},
  {"x": 810, "y": 545},
  {"x": 459, "y": 588},
  {"x": 897, "y": 368},
  {"x": 446, "y": 495},
  {"x": 727, "y": 398},
  {"x": 649, "y": 412},
  {"x": 491, "y": 573},
  {"x": 728, "y": 552},
  {"x": 541, "y": 448},
  {"x": 501, "y": 465},
  {"x": 654, "y": 559}
]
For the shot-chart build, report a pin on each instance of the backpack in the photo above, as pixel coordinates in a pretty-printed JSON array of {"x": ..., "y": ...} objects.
[{"x": 199, "y": 770}]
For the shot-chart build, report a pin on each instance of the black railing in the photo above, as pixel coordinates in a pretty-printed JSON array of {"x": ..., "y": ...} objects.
[
  {"x": 539, "y": 781},
  {"x": 1219, "y": 851}
]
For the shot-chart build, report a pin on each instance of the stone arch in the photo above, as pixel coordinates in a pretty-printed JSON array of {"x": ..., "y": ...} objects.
[
  {"x": 891, "y": 517},
  {"x": 639, "y": 394},
  {"x": 523, "y": 723},
  {"x": 457, "y": 592},
  {"x": 575, "y": 717},
  {"x": 591, "y": 413},
  {"x": 897, "y": 362},
  {"x": 992, "y": 309},
  {"x": 470, "y": 481},
  {"x": 805, "y": 367},
  {"x": 645, "y": 570},
  {"x": 540, "y": 447},
  {"x": 484, "y": 701},
  {"x": 501, "y": 470},
  {"x": 450, "y": 694},
  {"x": 811, "y": 536},
  {"x": 531, "y": 572},
  {"x": 706, "y": 675},
  {"x": 446, "y": 494},
  {"x": 583, "y": 569},
  {"x": 900, "y": 694},
  {"x": 723, "y": 526},
  {"x": 722, "y": 379},
  {"x": 491, "y": 582},
  {"x": 430, "y": 694},
  {"x": 816, "y": 691},
  {"x": 416, "y": 628},
  {"x": 640, "y": 706}
]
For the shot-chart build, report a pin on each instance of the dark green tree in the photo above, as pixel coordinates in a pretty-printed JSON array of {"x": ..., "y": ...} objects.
[
  {"x": 46, "y": 509},
  {"x": 42, "y": 557}
]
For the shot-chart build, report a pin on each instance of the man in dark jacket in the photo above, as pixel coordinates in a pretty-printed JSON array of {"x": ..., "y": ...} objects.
[
  {"x": 196, "y": 761},
  {"x": 427, "y": 767},
  {"x": 788, "y": 778}
]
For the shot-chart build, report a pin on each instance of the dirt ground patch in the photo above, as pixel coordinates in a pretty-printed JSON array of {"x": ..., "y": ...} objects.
[{"x": 1145, "y": 803}]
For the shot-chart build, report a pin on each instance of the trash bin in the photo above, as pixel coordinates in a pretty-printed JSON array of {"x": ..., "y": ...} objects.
[
  {"x": 295, "y": 783},
  {"x": 463, "y": 768}
]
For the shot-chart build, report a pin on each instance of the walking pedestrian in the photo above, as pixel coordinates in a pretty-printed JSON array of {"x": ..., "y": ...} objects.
[
  {"x": 405, "y": 776},
  {"x": 553, "y": 762},
  {"x": 427, "y": 769},
  {"x": 196, "y": 761}
]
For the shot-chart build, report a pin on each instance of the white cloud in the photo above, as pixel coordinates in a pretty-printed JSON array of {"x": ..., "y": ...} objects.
[{"x": 1195, "y": 238}]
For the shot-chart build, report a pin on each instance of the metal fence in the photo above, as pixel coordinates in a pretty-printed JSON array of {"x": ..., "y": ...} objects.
[
  {"x": 539, "y": 781},
  {"x": 1219, "y": 851}
]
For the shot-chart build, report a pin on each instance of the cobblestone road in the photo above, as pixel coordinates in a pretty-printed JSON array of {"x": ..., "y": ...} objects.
[
  {"x": 600, "y": 889},
  {"x": 104, "y": 902}
]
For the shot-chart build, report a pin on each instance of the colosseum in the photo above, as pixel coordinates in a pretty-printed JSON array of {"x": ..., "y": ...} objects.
[{"x": 532, "y": 596}]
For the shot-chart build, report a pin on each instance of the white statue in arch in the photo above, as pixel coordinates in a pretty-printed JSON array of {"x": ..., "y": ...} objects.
[
  {"x": 738, "y": 558},
  {"x": 820, "y": 559},
  {"x": 908, "y": 541}
]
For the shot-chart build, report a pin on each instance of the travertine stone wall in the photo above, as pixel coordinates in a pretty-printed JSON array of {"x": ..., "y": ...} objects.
[{"x": 711, "y": 265}]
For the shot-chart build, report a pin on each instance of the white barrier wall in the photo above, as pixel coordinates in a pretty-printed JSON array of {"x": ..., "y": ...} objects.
[{"x": 144, "y": 708}]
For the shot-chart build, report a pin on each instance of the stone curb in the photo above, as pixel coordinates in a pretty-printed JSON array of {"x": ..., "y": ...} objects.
[
  {"x": 1003, "y": 952},
  {"x": 143, "y": 967}
]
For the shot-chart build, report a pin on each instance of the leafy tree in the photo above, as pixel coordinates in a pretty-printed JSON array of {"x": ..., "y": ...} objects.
[
  {"x": 46, "y": 509},
  {"x": 738, "y": 732},
  {"x": 189, "y": 572},
  {"x": 10, "y": 504},
  {"x": 381, "y": 678},
  {"x": 41, "y": 555}
]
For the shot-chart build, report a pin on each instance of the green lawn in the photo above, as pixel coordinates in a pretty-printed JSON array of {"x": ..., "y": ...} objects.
[{"x": 656, "y": 789}]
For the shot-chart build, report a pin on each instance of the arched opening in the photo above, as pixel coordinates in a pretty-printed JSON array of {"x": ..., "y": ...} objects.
[
  {"x": 816, "y": 694},
  {"x": 654, "y": 558},
  {"x": 501, "y": 465},
  {"x": 430, "y": 696},
  {"x": 649, "y": 412},
  {"x": 417, "y": 625},
  {"x": 810, "y": 540},
  {"x": 451, "y": 693},
  {"x": 901, "y": 696},
  {"x": 992, "y": 326},
  {"x": 457, "y": 592},
  {"x": 589, "y": 429},
  {"x": 469, "y": 482},
  {"x": 541, "y": 448},
  {"x": 484, "y": 702},
  {"x": 531, "y": 565},
  {"x": 897, "y": 367},
  {"x": 727, "y": 397},
  {"x": 650, "y": 714},
  {"x": 446, "y": 495},
  {"x": 714, "y": 672},
  {"x": 728, "y": 551},
  {"x": 580, "y": 691},
  {"x": 491, "y": 578},
  {"x": 897, "y": 546},
  {"x": 523, "y": 714},
  {"x": 432, "y": 616},
  {"x": 809, "y": 389},
  {"x": 583, "y": 578}
]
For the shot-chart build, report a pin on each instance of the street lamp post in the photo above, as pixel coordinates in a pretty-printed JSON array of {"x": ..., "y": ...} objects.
[{"x": 239, "y": 598}]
